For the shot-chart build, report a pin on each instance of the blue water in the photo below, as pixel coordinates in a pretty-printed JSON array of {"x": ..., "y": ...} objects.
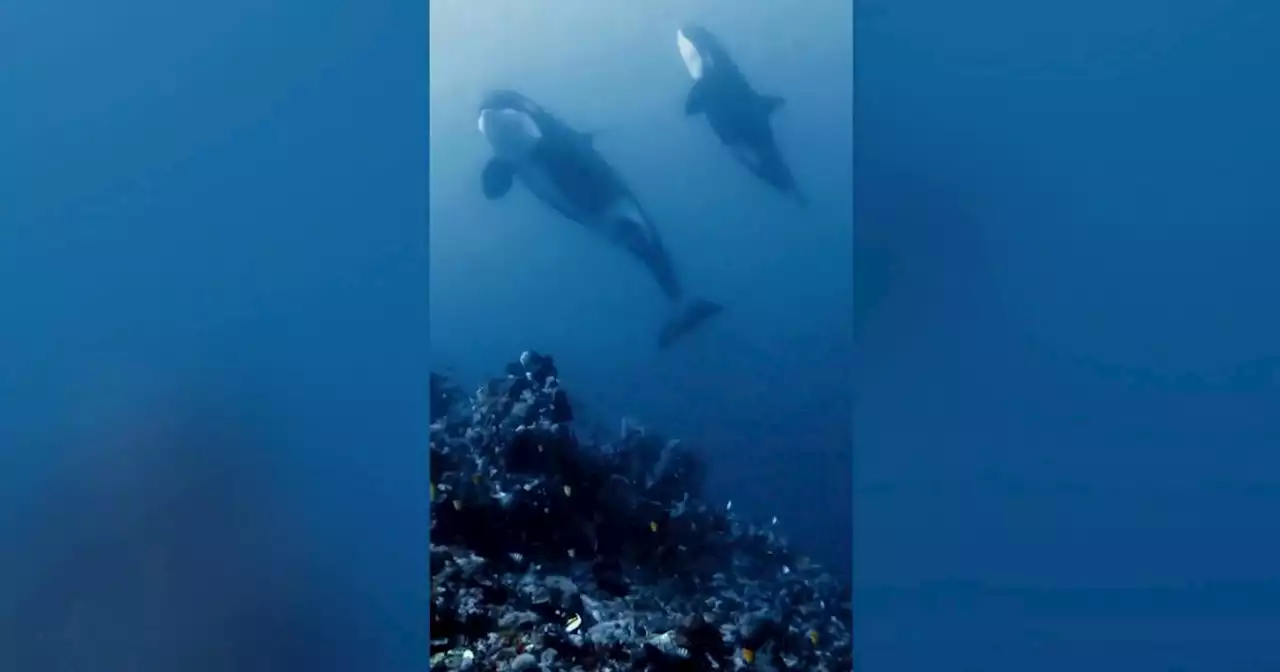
[
  {"x": 763, "y": 390},
  {"x": 1066, "y": 426},
  {"x": 213, "y": 272}
]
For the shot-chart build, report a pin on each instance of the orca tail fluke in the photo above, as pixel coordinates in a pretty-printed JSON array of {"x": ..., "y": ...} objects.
[{"x": 687, "y": 318}]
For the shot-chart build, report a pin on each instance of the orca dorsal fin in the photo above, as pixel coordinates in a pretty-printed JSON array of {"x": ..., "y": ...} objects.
[
  {"x": 771, "y": 104},
  {"x": 693, "y": 104}
]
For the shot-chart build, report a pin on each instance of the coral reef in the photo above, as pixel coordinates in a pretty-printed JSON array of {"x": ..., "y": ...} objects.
[{"x": 553, "y": 552}]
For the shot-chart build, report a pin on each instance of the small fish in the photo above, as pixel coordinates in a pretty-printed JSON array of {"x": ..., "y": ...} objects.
[
  {"x": 775, "y": 520},
  {"x": 653, "y": 526},
  {"x": 574, "y": 622},
  {"x": 572, "y": 553},
  {"x": 475, "y": 479},
  {"x": 749, "y": 656},
  {"x": 568, "y": 491},
  {"x": 457, "y": 505},
  {"x": 728, "y": 507},
  {"x": 433, "y": 491},
  {"x": 813, "y": 637}
]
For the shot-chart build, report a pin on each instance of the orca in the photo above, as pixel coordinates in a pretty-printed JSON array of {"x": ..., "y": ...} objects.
[
  {"x": 561, "y": 167},
  {"x": 737, "y": 114}
]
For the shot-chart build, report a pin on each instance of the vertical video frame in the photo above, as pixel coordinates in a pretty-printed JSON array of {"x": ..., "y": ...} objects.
[{"x": 641, "y": 315}]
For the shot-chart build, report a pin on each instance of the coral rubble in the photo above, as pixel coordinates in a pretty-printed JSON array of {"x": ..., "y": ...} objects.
[{"x": 552, "y": 552}]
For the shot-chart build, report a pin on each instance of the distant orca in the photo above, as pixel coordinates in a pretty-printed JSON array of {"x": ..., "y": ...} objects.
[
  {"x": 562, "y": 168},
  {"x": 738, "y": 115}
]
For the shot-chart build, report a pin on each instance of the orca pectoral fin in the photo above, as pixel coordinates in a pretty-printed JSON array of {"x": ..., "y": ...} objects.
[
  {"x": 496, "y": 178},
  {"x": 771, "y": 104},
  {"x": 693, "y": 104},
  {"x": 686, "y": 319}
]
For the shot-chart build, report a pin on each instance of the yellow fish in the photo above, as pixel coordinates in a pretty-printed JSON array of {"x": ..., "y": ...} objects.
[
  {"x": 653, "y": 526},
  {"x": 749, "y": 656},
  {"x": 574, "y": 622},
  {"x": 433, "y": 491},
  {"x": 813, "y": 637}
]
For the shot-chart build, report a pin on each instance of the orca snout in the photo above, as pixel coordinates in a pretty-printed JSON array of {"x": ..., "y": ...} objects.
[{"x": 511, "y": 133}]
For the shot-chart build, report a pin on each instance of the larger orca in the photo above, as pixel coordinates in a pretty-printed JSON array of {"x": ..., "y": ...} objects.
[
  {"x": 738, "y": 115},
  {"x": 561, "y": 167}
]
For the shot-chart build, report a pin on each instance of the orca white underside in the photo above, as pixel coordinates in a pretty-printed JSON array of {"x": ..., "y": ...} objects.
[
  {"x": 693, "y": 61},
  {"x": 511, "y": 134}
]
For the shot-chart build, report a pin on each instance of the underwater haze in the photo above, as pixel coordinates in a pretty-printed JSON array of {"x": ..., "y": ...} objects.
[
  {"x": 763, "y": 390},
  {"x": 212, "y": 361},
  {"x": 1066, "y": 426}
]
